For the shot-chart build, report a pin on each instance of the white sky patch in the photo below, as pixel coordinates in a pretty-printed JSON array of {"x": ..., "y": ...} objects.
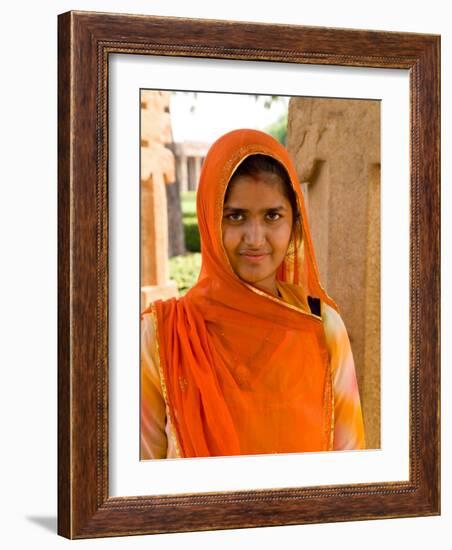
[{"x": 217, "y": 113}]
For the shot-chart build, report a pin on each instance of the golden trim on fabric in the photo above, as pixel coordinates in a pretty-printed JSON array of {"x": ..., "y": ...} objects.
[
  {"x": 328, "y": 406},
  {"x": 285, "y": 304},
  {"x": 313, "y": 262},
  {"x": 332, "y": 419},
  {"x": 163, "y": 382},
  {"x": 331, "y": 385}
]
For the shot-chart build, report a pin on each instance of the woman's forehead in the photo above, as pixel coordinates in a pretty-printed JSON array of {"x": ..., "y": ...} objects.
[
  {"x": 252, "y": 194},
  {"x": 246, "y": 188}
]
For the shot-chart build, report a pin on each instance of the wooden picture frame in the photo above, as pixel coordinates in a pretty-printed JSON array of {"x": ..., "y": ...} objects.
[{"x": 85, "y": 41}]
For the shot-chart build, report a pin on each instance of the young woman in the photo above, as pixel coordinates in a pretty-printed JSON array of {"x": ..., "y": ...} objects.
[{"x": 255, "y": 358}]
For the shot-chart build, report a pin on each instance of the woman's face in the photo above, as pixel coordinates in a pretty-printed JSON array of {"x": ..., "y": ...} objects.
[{"x": 257, "y": 227}]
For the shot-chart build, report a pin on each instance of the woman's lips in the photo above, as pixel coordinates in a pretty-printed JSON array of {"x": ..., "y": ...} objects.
[{"x": 254, "y": 257}]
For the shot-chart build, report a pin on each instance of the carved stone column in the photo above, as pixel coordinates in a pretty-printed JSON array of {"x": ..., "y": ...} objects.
[
  {"x": 197, "y": 161},
  {"x": 183, "y": 171},
  {"x": 157, "y": 169},
  {"x": 335, "y": 144}
]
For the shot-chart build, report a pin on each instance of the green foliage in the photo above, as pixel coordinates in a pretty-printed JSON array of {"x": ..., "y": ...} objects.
[
  {"x": 192, "y": 238},
  {"x": 185, "y": 270},
  {"x": 190, "y": 221},
  {"x": 279, "y": 129}
]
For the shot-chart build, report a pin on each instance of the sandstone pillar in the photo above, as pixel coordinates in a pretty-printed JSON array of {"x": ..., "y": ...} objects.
[
  {"x": 335, "y": 144},
  {"x": 182, "y": 174},
  {"x": 192, "y": 184},
  {"x": 157, "y": 169},
  {"x": 197, "y": 161}
]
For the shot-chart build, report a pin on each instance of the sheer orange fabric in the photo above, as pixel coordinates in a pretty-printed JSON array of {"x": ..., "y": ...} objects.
[{"x": 244, "y": 372}]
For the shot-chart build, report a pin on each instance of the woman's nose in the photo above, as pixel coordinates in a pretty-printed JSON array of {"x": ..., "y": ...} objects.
[{"x": 254, "y": 234}]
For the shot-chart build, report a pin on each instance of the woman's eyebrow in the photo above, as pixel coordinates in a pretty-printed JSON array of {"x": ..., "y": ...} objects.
[{"x": 244, "y": 210}]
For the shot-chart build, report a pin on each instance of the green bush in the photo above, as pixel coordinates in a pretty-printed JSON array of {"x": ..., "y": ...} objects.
[
  {"x": 190, "y": 221},
  {"x": 185, "y": 271},
  {"x": 192, "y": 238}
]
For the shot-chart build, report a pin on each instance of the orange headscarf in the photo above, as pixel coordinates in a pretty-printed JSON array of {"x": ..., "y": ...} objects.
[{"x": 244, "y": 372}]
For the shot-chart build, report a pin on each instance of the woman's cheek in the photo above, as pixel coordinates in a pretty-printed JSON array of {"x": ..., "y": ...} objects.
[
  {"x": 282, "y": 235},
  {"x": 231, "y": 238}
]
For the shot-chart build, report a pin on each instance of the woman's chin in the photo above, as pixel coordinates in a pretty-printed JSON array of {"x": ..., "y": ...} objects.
[{"x": 254, "y": 278}]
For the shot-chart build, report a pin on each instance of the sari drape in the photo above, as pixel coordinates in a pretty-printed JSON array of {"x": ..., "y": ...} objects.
[{"x": 244, "y": 372}]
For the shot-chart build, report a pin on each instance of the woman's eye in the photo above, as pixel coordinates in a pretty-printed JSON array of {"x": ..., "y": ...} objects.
[
  {"x": 274, "y": 216},
  {"x": 234, "y": 217}
]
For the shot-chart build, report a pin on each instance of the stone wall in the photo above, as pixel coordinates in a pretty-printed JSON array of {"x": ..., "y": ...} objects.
[{"x": 335, "y": 144}]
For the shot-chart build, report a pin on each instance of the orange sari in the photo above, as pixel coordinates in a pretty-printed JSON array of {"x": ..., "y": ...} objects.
[{"x": 244, "y": 372}]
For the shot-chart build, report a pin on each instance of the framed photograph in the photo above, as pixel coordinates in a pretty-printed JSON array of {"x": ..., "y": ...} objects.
[{"x": 146, "y": 108}]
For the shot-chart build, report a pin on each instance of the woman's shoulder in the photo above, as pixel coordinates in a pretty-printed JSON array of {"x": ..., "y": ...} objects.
[
  {"x": 331, "y": 317},
  {"x": 148, "y": 329},
  {"x": 334, "y": 327},
  {"x": 164, "y": 306},
  {"x": 146, "y": 313}
]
